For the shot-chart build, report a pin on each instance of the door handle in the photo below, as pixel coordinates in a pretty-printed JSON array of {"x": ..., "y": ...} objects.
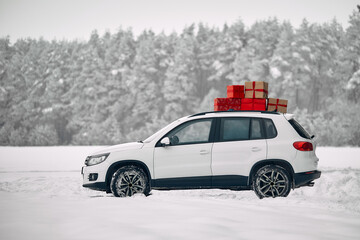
[
  {"x": 255, "y": 149},
  {"x": 203, "y": 152}
]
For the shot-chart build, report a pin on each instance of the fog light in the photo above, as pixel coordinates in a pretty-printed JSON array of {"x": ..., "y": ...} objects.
[{"x": 93, "y": 176}]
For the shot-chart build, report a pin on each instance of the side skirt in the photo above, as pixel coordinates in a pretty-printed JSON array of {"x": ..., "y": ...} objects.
[{"x": 234, "y": 182}]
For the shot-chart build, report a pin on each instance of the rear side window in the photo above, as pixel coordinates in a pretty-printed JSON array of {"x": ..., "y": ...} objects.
[
  {"x": 241, "y": 128},
  {"x": 270, "y": 128},
  {"x": 235, "y": 129},
  {"x": 256, "y": 129},
  {"x": 299, "y": 129}
]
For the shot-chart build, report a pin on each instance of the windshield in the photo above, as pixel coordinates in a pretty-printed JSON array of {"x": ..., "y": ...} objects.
[{"x": 149, "y": 139}]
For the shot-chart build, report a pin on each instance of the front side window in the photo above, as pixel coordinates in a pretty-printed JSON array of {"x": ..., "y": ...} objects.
[{"x": 190, "y": 133}]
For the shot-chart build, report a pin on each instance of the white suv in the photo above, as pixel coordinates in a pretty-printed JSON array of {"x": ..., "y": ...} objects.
[{"x": 267, "y": 152}]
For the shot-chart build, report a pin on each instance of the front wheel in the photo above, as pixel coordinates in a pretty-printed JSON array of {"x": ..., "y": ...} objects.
[
  {"x": 271, "y": 181},
  {"x": 128, "y": 181}
]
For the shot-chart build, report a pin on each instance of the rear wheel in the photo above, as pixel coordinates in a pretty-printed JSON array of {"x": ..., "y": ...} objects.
[
  {"x": 128, "y": 181},
  {"x": 271, "y": 181}
]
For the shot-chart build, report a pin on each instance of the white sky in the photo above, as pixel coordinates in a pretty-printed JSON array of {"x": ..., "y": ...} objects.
[{"x": 76, "y": 19}]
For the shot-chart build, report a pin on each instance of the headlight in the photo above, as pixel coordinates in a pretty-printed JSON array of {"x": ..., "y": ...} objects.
[{"x": 92, "y": 160}]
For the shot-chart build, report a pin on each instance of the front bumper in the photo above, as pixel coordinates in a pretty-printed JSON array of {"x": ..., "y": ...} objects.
[
  {"x": 94, "y": 177},
  {"x": 305, "y": 178},
  {"x": 100, "y": 186}
]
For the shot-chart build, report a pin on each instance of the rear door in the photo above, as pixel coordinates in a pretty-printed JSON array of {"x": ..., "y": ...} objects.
[{"x": 240, "y": 143}]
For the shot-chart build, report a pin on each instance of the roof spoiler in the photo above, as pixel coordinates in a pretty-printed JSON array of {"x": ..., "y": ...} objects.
[{"x": 289, "y": 116}]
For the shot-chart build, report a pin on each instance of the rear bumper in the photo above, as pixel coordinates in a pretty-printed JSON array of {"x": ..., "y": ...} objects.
[{"x": 303, "y": 179}]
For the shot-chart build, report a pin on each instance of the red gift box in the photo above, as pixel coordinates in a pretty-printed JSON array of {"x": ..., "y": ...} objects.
[
  {"x": 235, "y": 91},
  {"x": 256, "y": 104},
  {"x": 224, "y": 104}
]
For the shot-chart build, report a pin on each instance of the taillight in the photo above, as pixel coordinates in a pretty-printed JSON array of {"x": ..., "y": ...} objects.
[{"x": 303, "y": 146}]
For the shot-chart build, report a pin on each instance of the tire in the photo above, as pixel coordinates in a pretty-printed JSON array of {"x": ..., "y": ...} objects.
[
  {"x": 128, "y": 181},
  {"x": 271, "y": 181}
]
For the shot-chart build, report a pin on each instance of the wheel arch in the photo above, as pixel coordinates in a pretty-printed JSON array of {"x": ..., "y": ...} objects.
[
  {"x": 116, "y": 165},
  {"x": 279, "y": 162}
]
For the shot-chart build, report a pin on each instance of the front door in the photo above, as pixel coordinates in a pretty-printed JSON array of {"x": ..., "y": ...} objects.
[{"x": 186, "y": 162}]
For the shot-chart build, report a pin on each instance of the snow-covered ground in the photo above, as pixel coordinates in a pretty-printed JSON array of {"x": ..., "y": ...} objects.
[{"x": 41, "y": 198}]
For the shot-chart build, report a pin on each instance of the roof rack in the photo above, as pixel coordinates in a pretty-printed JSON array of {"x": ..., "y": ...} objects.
[{"x": 232, "y": 111}]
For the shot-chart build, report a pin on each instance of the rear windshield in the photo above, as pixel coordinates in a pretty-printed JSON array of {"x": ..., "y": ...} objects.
[{"x": 299, "y": 129}]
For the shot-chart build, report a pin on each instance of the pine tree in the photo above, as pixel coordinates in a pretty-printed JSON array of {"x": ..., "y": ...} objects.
[
  {"x": 252, "y": 63},
  {"x": 316, "y": 48},
  {"x": 230, "y": 44},
  {"x": 206, "y": 55},
  {"x": 282, "y": 66},
  {"x": 351, "y": 58},
  {"x": 179, "y": 88},
  {"x": 144, "y": 87}
]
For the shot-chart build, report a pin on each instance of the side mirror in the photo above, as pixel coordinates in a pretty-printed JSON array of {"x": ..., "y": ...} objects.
[{"x": 165, "y": 141}]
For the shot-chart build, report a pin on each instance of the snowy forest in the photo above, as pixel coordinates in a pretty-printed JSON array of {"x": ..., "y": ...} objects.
[{"x": 116, "y": 87}]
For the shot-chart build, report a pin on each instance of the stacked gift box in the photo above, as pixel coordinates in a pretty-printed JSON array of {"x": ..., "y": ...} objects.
[{"x": 252, "y": 96}]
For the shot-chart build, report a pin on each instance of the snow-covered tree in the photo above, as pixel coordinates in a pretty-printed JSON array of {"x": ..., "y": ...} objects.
[
  {"x": 232, "y": 41},
  {"x": 179, "y": 88},
  {"x": 316, "y": 48},
  {"x": 116, "y": 88},
  {"x": 351, "y": 57},
  {"x": 282, "y": 66},
  {"x": 252, "y": 62}
]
